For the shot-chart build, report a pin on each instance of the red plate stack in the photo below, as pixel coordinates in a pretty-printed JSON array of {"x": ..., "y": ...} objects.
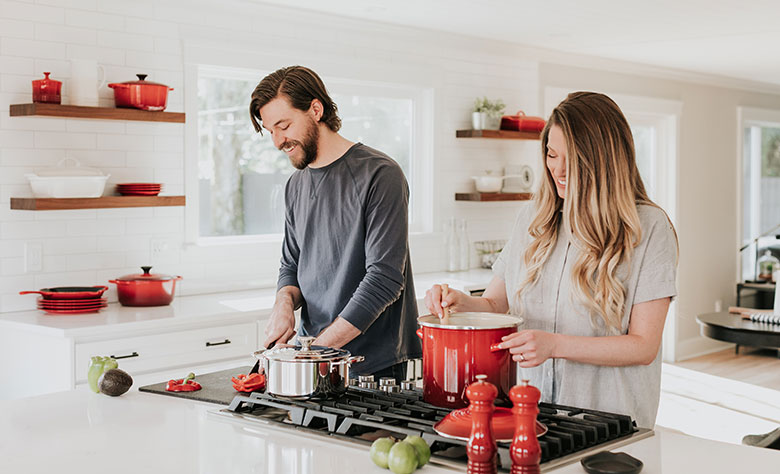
[
  {"x": 139, "y": 189},
  {"x": 72, "y": 306}
]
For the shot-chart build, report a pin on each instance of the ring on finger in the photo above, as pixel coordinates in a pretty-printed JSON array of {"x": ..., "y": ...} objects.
[{"x": 522, "y": 357}]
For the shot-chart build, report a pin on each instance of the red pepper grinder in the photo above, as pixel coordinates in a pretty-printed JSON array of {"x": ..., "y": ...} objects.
[
  {"x": 47, "y": 90},
  {"x": 525, "y": 450},
  {"x": 481, "y": 448}
]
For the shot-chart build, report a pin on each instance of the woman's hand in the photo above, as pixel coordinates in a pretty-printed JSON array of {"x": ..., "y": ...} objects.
[
  {"x": 530, "y": 347},
  {"x": 454, "y": 300}
]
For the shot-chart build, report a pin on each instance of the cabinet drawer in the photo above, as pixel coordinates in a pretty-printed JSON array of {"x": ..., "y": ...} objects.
[{"x": 155, "y": 352}]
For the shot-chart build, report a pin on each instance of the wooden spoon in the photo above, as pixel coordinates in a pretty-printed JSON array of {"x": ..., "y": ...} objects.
[{"x": 445, "y": 312}]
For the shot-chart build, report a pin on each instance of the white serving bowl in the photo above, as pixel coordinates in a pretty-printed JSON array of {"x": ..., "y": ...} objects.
[{"x": 67, "y": 186}]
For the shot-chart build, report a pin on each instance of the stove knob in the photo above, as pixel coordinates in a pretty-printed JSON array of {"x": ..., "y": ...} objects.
[
  {"x": 408, "y": 385},
  {"x": 391, "y": 388},
  {"x": 365, "y": 378},
  {"x": 353, "y": 382},
  {"x": 384, "y": 381},
  {"x": 371, "y": 385}
]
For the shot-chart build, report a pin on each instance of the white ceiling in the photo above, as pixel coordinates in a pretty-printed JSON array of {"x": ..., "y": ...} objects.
[{"x": 729, "y": 38}]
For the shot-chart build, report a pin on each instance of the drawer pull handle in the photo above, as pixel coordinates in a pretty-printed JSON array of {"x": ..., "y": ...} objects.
[
  {"x": 209, "y": 344},
  {"x": 134, "y": 354}
]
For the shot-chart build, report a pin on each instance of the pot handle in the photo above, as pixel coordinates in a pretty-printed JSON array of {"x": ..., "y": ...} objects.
[
  {"x": 350, "y": 360},
  {"x": 30, "y": 292},
  {"x": 495, "y": 348},
  {"x": 419, "y": 333}
]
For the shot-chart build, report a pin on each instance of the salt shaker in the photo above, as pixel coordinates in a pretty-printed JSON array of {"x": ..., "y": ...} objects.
[
  {"x": 525, "y": 450},
  {"x": 481, "y": 448}
]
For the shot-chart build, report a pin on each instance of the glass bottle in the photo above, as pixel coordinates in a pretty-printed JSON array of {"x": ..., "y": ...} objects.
[
  {"x": 452, "y": 245},
  {"x": 766, "y": 265},
  {"x": 463, "y": 242}
]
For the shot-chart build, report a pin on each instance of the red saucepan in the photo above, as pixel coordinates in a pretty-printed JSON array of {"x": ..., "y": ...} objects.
[
  {"x": 145, "y": 289},
  {"x": 457, "y": 349},
  {"x": 141, "y": 94},
  {"x": 69, "y": 292}
]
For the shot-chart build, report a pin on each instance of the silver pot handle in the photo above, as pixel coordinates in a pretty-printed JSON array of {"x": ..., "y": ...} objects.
[{"x": 350, "y": 360}]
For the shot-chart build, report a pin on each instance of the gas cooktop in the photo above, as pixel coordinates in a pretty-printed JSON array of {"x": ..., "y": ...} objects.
[{"x": 363, "y": 415}]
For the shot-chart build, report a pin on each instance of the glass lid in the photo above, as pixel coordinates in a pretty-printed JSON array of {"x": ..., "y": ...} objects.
[
  {"x": 305, "y": 352},
  {"x": 471, "y": 321}
]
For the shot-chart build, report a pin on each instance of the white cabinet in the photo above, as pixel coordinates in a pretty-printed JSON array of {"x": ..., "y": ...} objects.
[{"x": 142, "y": 354}]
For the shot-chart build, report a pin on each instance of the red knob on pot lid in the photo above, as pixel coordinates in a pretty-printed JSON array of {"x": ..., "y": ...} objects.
[{"x": 146, "y": 276}]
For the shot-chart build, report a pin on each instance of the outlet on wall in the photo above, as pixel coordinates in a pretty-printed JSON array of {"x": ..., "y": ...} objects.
[
  {"x": 158, "y": 248},
  {"x": 33, "y": 257}
]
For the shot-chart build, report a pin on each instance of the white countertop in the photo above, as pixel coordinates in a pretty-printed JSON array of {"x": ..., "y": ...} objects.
[
  {"x": 80, "y": 431},
  {"x": 188, "y": 311}
]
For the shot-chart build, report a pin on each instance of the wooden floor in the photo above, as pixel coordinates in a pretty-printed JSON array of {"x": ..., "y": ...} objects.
[{"x": 754, "y": 366}]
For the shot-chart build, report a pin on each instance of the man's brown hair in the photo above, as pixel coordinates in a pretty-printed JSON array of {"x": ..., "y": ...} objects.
[{"x": 300, "y": 85}]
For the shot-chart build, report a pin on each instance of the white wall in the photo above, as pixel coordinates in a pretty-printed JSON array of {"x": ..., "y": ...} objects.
[{"x": 164, "y": 38}]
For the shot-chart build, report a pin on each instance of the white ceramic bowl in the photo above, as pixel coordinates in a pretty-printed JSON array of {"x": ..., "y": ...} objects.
[{"x": 67, "y": 186}]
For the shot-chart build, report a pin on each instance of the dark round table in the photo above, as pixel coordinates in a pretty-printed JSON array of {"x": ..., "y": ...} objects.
[{"x": 744, "y": 332}]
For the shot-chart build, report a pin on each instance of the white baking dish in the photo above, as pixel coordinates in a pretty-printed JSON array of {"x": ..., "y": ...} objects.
[{"x": 67, "y": 186}]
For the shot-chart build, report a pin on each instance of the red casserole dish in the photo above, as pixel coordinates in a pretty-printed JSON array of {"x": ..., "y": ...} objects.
[
  {"x": 141, "y": 94},
  {"x": 145, "y": 289},
  {"x": 69, "y": 292},
  {"x": 522, "y": 123},
  {"x": 466, "y": 346}
]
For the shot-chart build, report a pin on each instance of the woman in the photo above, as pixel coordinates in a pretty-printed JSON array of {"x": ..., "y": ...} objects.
[{"x": 590, "y": 267}]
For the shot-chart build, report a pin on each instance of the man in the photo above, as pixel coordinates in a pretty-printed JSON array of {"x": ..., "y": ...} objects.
[{"x": 345, "y": 255}]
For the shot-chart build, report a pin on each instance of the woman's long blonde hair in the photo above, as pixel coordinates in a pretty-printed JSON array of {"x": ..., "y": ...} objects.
[{"x": 603, "y": 188}]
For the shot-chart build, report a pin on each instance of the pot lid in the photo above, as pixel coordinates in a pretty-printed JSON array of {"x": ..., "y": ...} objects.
[
  {"x": 471, "y": 321},
  {"x": 457, "y": 425},
  {"x": 69, "y": 167},
  {"x": 305, "y": 352},
  {"x": 142, "y": 80},
  {"x": 146, "y": 276}
]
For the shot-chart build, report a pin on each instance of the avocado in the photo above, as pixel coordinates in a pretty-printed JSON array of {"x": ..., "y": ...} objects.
[{"x": 115, "y": 382}]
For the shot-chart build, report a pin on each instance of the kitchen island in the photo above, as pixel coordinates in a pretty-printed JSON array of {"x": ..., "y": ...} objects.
[{"x": 80, "y": 431}]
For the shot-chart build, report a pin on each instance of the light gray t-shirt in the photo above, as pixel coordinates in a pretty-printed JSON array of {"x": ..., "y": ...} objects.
[
  {"x": 549, "y": 305},
  {"x": 346, "y": 247}
]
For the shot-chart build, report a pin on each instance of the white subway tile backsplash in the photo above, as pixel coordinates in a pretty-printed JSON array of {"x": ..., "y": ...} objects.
[
  {"x": 101, "y": 54},
  {"x": 59, "y": 69},
  {"x": 103, "y": 160},
  {"x": 99, "y": 21},
  {"x": 30, "y": 157},
  {"x": 152, "y": 27},
  {"x": 31, "y": 229},
  {"x": 67, "y": 278},
  {"x": 106, "y": 224},
  {"x": 11, "y": 248},
  {"x": 96, "y": 126},
  {"x": 17, "y": 283},
  {"x": 55, "y": 263},
  {"x": 17, "y": 139},
  {"x": 65, "y": 140},
  {"x": 167, "y": 45},
  {"x": 125, "y": 142},
  {"x": 11, "y": 266},
  {"x": 126, "y": 41},
  {"x": 65, "y": 34},
  {"x": 79, "y": 4},
  {"x": 31, "y": 12},
  {"x": 15, "y": 64},
  {"x": 123, "y": 243},
  {"x": 155, "y": 160},
  {"x": 32, "y": 48},
  {"x": 153, "y": 61},
  {"x": 17, "y": 28},
  {"x": 31, "y": 123},
  {"x": 95, "y": 261},
  {"x": 169, "y": 143},
  {"x": 69, "y": 245},
  {"x": 155, "y": 225}
]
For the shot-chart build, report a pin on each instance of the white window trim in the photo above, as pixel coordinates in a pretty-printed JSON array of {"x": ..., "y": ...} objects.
[
  {"x": 749, "y": 117},
  {"x": 422, "y": 149}
]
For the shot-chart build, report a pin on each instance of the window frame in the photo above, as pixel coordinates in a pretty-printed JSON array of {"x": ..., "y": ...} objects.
[{"x": 421, "y": 161}]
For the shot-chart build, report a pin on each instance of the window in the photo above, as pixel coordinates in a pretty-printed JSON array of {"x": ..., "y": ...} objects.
[
  {"x": 760, "y": 187},
  {"x": 241, "y": 175}
]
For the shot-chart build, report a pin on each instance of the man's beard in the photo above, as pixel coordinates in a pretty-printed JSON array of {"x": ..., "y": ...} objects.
[{"x": 308, "y": 146}]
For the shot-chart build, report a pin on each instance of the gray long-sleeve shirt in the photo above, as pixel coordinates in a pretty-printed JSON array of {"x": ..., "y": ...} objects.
[{"x": 346, "y": 248}]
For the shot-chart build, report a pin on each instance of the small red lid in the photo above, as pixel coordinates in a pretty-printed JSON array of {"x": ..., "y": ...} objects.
[
  {"x": 457, "y": 424},
  {"x": 146, "y": 276}
]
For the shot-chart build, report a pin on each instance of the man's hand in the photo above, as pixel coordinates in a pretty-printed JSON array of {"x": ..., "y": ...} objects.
[{"x": 281, "y": 326}]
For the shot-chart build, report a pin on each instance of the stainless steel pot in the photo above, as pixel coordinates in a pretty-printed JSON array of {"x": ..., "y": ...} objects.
[{"x": 306, "y": 371}]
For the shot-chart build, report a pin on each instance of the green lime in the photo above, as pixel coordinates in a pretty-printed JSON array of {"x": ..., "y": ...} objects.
[
  {"x": 423, "y": 450},
  {"x": 379, "y": 451},
  {"x": 402, "y": 458}
]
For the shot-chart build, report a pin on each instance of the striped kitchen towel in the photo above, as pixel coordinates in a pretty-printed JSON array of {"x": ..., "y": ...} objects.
[{"x": 768, "y": 318}]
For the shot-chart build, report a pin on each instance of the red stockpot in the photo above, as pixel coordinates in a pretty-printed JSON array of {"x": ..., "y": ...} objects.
[
  {"x": 455, "y": 352},
  {"x": 141, "y": 94},
  {"x": 145, "y": 289}
]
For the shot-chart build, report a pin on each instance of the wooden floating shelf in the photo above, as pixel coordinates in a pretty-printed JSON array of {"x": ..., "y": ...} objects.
[
  {"x": 482, "y": 197},
  {"x": 105, "y": 202},
  {"x": 82, "y": 112},
  {"x": 505, "y": 134}
]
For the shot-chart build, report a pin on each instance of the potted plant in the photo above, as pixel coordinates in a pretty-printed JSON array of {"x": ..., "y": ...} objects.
[{"x": 487, "y": 114}]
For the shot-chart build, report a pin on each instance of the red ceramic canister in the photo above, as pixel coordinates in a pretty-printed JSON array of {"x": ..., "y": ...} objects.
[
  {"x": 47, "y": 90},
  {"x": 457, "y": 350}
]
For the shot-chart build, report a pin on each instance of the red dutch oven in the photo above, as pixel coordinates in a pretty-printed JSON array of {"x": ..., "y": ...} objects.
[
  {"x": 145, "y": 289},
  {"x": 459, "y": 349},
  {"x": 141, "y": 94}
]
